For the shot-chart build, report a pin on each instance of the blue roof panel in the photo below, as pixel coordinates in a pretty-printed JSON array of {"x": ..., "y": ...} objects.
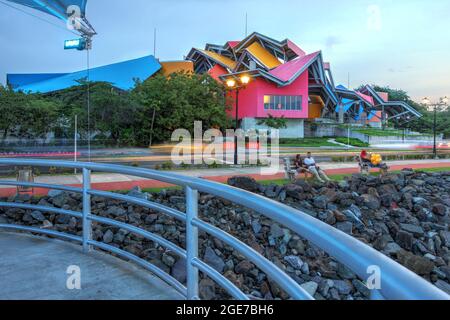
[
  {"x": 371, "y": 115},
  {"x": 16, "y": 80},
  {"x": 341, "y": 87},
  {"x": 346, "y": 104},
  {"x": 121, "y": 75}
]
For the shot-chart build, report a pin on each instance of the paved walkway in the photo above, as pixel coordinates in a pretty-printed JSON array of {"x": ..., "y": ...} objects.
[
  {"x": 35, "y": 268},
  {"x": 116, "y": 182}
]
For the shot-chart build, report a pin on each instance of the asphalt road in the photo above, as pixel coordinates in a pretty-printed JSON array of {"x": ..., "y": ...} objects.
[{"x": 149, "y": 158}]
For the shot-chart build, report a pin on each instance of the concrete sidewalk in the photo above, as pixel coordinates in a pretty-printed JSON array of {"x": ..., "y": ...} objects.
[
  {"x": 35, "y": 268},
  {"x": 115, "y": 182}
]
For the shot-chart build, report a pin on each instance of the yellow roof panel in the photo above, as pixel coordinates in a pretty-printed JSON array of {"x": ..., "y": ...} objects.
[
  {"x": 264, "y": 56},
  {"x": 317, "y": 100},
  {"x": 170, "y": 67},
  {"x": 219, "y": 58}
]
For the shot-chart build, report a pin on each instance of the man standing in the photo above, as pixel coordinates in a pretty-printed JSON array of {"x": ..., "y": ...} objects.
[{"x": 315, "y": 169}]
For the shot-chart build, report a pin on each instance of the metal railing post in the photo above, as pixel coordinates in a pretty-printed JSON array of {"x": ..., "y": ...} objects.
[
  {"x": 87, "y": 228},
  {"x": 191, "y": 243}
]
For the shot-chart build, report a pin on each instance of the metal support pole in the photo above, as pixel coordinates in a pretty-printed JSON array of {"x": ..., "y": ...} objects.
[
  {"x": 87, "y": 228},
  {"x": 348, "y": 137},
  {"x": 236, "y": 148},
  {"x": 75, "y": 157},
  {"x": 435, "y": 133},
  {"x": 88, "y": 102},
  {"x": 191, "y": 243}
]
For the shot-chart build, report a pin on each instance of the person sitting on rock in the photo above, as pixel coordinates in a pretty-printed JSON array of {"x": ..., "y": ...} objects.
[
  {"x": 365, "y": 157},
  {"x": 310, "y": 163}
]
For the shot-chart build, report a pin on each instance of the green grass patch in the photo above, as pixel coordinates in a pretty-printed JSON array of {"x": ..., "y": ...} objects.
[
  {"x": 306, "y": 142},
  {"x": 445, "y": 169},
  {"x": 353, "y": 142},
  {"x": 374, "y": 132},
  {"x": 278, "y": 182}
]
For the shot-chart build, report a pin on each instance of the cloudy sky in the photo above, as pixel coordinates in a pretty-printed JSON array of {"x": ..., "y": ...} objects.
[{"x": 400, "y": 43}]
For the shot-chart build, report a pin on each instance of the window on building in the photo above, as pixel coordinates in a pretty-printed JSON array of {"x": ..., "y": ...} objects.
[{"x": 283, "y": 103}]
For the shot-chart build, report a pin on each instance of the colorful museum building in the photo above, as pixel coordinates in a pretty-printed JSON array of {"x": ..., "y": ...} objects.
[
  {"x": 285, "y": 81},
  {"x": 281, "y": 80}
]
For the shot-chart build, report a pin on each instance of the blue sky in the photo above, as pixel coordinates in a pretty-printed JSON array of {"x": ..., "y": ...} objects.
[{"x": 400, "y": 43}]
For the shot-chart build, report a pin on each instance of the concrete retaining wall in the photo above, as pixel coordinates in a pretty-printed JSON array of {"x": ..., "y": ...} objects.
[{"x": 295, "y": 127}]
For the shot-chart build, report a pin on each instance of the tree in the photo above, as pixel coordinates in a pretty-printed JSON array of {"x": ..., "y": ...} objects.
[
  {"x": 26, "y": 115},
  {"x": 154, "y": 108},
  {"x": 274, "y": 122},
  {"x": 112, "y": 111},
  {"x": 42, "y": 116},
  {"x": 170, "y": 103}
]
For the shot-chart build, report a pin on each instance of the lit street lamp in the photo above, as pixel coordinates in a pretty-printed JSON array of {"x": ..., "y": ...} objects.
[
  {"x": 443, "y": 103},
  {"x": 232, "y": 84}
]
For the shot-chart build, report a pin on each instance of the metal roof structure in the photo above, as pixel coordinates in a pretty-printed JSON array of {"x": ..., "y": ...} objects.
[
  {"x": 398, "y": 111},
  {"x": 121, "y": 75},
  {"x": 60, "y": 10}
]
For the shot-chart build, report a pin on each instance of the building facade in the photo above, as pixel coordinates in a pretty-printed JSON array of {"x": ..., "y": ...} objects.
[{"x": 288, "y": 83}]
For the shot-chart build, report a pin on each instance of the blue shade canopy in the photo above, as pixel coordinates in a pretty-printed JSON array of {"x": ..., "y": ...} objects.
[
  {"x": 341, "y": 87},
  {"x": 57, "y": 8},
  {"x": 360, "y": 111},
  {"x": 371, "y": 115},
  {"x": 121, "y": 75},
  {"x": 17, "y": 80},
  {"x": 346, "y": 104}
]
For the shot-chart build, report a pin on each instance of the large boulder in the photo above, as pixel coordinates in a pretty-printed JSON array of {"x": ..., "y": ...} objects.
[
  {"x": 417, "y": 264},
  {"x": 212, "y": 259},
  {"x": 245, "y": 183}
]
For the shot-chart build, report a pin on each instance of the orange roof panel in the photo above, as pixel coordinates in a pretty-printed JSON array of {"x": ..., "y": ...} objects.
[{"x": 170, "y": 67}]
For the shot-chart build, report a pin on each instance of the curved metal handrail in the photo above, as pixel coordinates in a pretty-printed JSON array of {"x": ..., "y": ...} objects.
[{"x": 397, "y": 282}]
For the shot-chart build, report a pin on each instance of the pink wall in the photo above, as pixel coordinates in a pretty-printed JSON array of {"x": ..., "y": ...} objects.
[{"x": 251, "y": 100}]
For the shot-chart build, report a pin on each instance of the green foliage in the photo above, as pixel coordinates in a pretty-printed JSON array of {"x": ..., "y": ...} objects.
[
  {"x": 155, "y": 108},
  {"x": 425, "y": 124},
  {"x": 167, "y": 165},
  {"x": 26, "y": 116},
  {"x": 177, "y": 102},
  {"x": 112, "y": 111},
  {"x": 353, "y": 142},
  {"x": 214, "y": 165},
  {"x": 274, "y": 122},
  {"x": 306, "y": 142}
]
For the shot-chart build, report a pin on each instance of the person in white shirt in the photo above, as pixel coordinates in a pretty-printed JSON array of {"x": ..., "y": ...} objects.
[{"x": 315, "y": 169}]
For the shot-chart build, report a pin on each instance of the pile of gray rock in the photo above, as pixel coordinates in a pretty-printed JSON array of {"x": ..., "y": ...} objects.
[{"x": 406, "y": 216}]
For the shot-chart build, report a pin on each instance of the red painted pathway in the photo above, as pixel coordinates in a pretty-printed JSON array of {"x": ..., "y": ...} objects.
[{"x": 144, "y": 184}]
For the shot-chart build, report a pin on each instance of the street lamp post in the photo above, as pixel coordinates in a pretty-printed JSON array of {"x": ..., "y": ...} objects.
[
  {"x": 232, "y": 84},
  {"x": 405, "y": 127},
  {"x": 443, "y": 102}
]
